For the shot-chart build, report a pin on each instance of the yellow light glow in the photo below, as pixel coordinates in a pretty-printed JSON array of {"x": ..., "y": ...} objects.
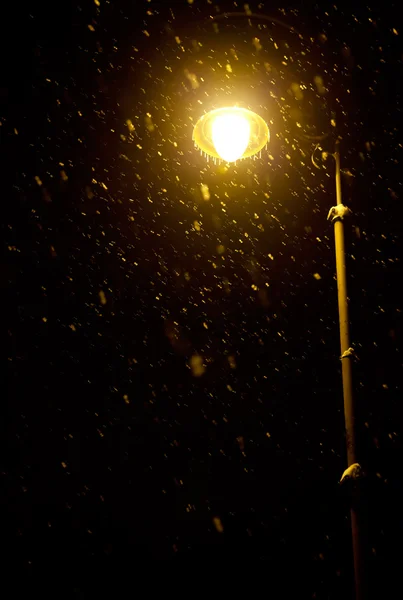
[{"x": 230, "y": 134}]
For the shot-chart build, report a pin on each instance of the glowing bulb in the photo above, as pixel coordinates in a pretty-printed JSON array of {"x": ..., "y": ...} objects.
[{"x": 230, "y": 134}]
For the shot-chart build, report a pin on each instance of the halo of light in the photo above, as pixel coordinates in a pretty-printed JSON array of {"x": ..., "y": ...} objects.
[{"x": 231, "y": 133}]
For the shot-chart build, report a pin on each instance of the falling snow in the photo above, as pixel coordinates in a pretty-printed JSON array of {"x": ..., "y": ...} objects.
[{"x": 173, "y": 343}]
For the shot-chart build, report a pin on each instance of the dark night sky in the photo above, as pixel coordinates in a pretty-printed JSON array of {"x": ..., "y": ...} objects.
[{"x": 173, "y": 376}]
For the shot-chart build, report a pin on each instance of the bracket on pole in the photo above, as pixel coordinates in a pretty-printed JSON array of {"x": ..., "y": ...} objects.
[
  {"x": 338, "y": 212},
  {"x": 349, "y": 353},
  {"x": 353, "y": 472}
]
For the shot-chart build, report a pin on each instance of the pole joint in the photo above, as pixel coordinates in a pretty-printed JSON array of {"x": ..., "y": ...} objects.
[
  {"x": 352, "y": 473},
  {"x": 337, "y": 213},
  {"x": 349, "y": 353}
]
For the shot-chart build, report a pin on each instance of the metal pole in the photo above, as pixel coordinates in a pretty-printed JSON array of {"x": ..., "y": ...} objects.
[{"x": 349, "y": 409}]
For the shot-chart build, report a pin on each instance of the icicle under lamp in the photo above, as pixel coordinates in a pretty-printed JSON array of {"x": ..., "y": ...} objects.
[{"x": 230, "y": 134}]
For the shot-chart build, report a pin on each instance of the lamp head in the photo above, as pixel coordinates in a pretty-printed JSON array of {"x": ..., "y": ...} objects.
[{"x": 231, "y": 133}]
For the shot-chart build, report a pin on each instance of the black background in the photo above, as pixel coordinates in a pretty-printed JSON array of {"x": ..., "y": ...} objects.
[{"x": 116, "y": 272}]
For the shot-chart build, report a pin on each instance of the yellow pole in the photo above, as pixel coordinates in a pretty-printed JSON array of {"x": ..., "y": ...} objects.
[{"x": 349, "y": 411}]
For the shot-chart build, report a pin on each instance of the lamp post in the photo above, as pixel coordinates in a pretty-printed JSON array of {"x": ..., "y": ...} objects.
[
  {"x": 235, "y": 133},
  {"x": 336, "y": 214}
]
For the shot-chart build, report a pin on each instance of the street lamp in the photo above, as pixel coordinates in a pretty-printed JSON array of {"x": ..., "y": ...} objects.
[
  {"x": 234, "y": 133},
  {"x": 231, "y": 133}
]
